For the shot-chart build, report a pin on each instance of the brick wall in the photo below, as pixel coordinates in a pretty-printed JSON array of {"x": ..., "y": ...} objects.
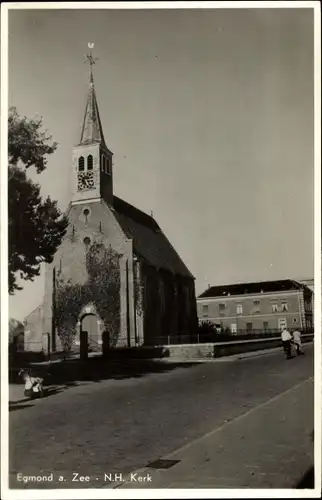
[
  {"x": 70, "y": 259},
  {"x": 33, "y": 330},
  {"x": 169, "y": 305}
]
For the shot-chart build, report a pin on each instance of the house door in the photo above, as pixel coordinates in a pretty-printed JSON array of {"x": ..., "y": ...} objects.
[
  {"x": 282, "y": 323},
  {"x": 89, "y": 324}
]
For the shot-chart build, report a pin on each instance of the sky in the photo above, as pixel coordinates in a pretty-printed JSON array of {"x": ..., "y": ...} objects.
[{"x": 209, "y": 114}]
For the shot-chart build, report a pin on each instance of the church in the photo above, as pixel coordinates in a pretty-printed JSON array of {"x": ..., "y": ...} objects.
[{"x": 156, "y": 301}]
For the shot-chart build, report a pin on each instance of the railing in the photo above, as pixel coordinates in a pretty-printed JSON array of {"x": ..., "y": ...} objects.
[{"x": 204, "y": 338}]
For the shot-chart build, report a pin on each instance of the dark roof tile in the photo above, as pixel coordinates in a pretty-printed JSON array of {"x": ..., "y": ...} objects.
[
  {"x": 254, "y": 288},
  {"x": 148, "y": 239}
]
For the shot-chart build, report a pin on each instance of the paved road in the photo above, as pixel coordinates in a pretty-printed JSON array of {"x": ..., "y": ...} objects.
[{"x": 121, "y": 425}]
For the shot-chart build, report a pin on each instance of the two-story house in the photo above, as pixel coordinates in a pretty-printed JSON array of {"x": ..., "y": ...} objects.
[{"x": 265, "y": 306}]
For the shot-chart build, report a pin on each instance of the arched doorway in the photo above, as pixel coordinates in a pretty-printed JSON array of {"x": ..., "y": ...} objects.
[{"x": 90, "y": 325}]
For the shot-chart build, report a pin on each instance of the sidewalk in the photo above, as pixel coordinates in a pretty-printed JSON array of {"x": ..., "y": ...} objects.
[{"x": 270, "y": 446}]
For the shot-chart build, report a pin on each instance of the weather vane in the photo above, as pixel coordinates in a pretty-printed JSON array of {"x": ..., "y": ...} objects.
[{"x": 89, "y": 57}]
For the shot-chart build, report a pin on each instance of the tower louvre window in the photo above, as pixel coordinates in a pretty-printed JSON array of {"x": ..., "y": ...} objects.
[
  {"x": 81, "y": 164},
  {"x": 89, "y": 162}
]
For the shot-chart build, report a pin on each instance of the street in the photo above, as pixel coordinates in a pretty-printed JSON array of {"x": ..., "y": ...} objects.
[{"x": 120, "y": 425}]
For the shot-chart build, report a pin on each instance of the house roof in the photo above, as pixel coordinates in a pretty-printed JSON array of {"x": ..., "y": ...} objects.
[
  {"x": 149, "y": 242},
  {"x": 252, "y": 288}
]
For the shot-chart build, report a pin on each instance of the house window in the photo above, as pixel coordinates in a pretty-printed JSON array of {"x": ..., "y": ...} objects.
[
  {"x": 81, "y": 164},
  {"x": 256, "y": 306},
  {"x": 205, "y": 310},
  {"x": 282, "y": 323},
  {"x": 222, "y": 308},
  {"x": 239, "y": 309},
  {"x": 265, "y": 326},
  {"x": 274, "y": 308},
  {"x": 90, "y": 162},
  {"x": 284, "y": 306},
  {"x": 233, "y": 328},
  {"x": 249, "y": 327}
]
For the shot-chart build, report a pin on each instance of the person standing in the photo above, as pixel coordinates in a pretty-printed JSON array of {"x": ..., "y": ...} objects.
[
  {"x": 297, "y": 342},
  {"x": 286, "y": 340}
]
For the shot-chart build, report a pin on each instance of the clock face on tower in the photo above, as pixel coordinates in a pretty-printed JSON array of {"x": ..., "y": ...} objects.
[{"x": 85, "y": 181}]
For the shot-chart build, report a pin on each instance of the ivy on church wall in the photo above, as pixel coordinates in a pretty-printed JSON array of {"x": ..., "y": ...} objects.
[
  {"x": 70, "y": 298},
  {"x": 102, "y": 289},
  {"x": 103, "y": 268},
  {"x": 138, "y": 283}
]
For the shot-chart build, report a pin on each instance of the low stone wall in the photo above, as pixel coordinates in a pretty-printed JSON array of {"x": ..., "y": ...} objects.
[{"x": 220, "y": 349}]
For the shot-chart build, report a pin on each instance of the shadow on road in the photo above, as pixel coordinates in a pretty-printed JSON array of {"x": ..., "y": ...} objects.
[
  {"x": 96, "y": 369},
  {"x": 60, "y": 376},
  {"x": 16, "y": 406},
  {"x": 48, "y": 391},
  {"x": 307, "y": 482}
]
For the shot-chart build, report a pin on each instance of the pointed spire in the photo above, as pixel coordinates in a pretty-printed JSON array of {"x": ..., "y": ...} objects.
[{"x": 92, "y": 130}]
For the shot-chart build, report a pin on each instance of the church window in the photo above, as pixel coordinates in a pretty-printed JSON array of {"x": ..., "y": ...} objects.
[
  {"x": 86, "y": 213},
  {"x": 162, "y": 296},
  {"x": 87, "y": 241},
  {"x": 90, "y": 162},
  {"x": 103, "y": 163},
  {"x": 81, "y": 164}
]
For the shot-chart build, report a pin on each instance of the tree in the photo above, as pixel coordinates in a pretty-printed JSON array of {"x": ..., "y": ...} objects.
[
  {"x": 36, "y": 226},
  {"x": 16, "y": 328},
  {"x": 207, "y": 328}
]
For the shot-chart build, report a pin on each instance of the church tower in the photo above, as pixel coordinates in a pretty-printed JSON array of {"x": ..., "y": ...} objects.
[
  {"x": 92, "y": 160},
  {"x": 155, "y": 294}
]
